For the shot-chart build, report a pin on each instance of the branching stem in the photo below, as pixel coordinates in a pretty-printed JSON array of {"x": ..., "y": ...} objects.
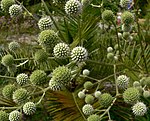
[{"x": 78, "y": 106}]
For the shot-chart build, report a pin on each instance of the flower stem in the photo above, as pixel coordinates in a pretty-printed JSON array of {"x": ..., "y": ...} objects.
[
  {"x": 78, "y": 106},
  {"x": 7, "y": 77},
  {"x": 117, "y": 92}
]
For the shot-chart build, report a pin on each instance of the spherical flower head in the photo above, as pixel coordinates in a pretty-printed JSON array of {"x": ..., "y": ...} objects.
[
  {"x": 7, "y": 60},
  {"x": 131, "y": 95},
  {"x": 22, "y": 79},
  {"x": 3, "y": 116},
  {"x": 109, "y": 49},
  {"x": 55, "y": 85},
  {"x": 146, "y": 94},
  {"x": 122, "y": 81},
  {"x": 15, "y": 10},
  {"x": 110, "y": 56},
  {"x": 88, "y": 85},
  {"x": 136, "y": 84},
  {"x": 8, "y": 90},
  {"x": 29, "y": 108},
  {"x": 126, "y": 28},
  {"x": 15, "y": 116},
  {"x": 105, "y": 100},
  {"x": 87, "y": 109},
  {"x": 40, "y": 56},
  {"x": 73, "y": 7},
  {"x": 13, "y": 46},
  {"x": 125, "y": 3},
  {"x": 139, "y": 109},
  {"x": 62, "y": 74},
  {"x": 20, "y": 95},
  {"x": 127, "y": 18},
  {"x": 45, "y": 23},
  {"x": 89, "y": 99},
  {"x": 38, "y": 77},
  {"x": 48, "y": 39},
  {"x": 97, "y": 94},
  {"x": 108, "y": 16},
  {"x": 81, "y": 94},
  {"x": 126, "y": 35},
  {"x": 79, "y": 54},
  {"x": 120, "y": 35},
  {"x": 61, "y": 51},
  {"x": 86, "y": 72},
  {"x": 94, "y": 117},
  {"x": 5, "y": 4}
]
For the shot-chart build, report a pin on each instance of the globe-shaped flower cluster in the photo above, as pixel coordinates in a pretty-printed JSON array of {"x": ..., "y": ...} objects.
[
  {"x": 61, "y": 51},
  {"x": 73, "y": 7},
  {"x": 139, "y": 109},
  {"x": 22, "y": 79},
  {"x": 5, "y": 4},
  {"x": 79, "y": 54},
  {"x": 15, "y": 10},
  {"x": 29, "y": 108},
  {"x": 45, "y": 23}
]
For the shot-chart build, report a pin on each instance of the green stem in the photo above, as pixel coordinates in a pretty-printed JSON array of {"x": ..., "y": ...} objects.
[
  {"x": 44, "y": 92},
  {"x": 55, "y": 24},
  {"x": 22, "y": 63},
  {"x": 79, "y": 31},
  {"x": 8, "y": 108},
  {"x": 78, "y": 106},
  {"x": 7, "y": 77},
  {"x": 117, "y": 92}
]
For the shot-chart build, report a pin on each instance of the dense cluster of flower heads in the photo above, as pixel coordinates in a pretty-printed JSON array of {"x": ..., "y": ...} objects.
[
  {"x": 131, "y": 95},
  {"x": 62, "y": 76}
]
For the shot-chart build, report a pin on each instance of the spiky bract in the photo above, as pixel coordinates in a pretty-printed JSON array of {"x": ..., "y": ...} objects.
[
  {"x": 5, "y": 4},
  {"x": 108, "y": 16},
  {"x": 41, "y": 56},
  {"x": 48, "y": 39},
  {"x": 139, "y": 109},
  {"x": 105, "y": 99},
  {"x": 61, "y": 51},
  {"x": 15, "y": 116},
  {"x": 29, "y": 108},
  {"x": 55, "y": 85},
  {"x": 127, "y": 17},
  {"x": 131, "y": 95},
  {"x": 15, "y": 10},
  {"x": 93, "y": 117},
  {"x": 22, "y": 78},
  {"x": 8, "y": 91},
  {"x": 87, "y": 109},
  {"x": 8, "y": 60},
  {"x": 3, "y": 116},
  {"x": 73, "y": 7},
  {"x": 13, "y": 46},
  {"x": 62, "y": 74},
  {"x": 38, "y": 77},
  {"x": 123, "y": 81},
  {"x": 45, "y": 23},
  {"x": 20, "y": 95},
  {"x": 79, "y": 54}
]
